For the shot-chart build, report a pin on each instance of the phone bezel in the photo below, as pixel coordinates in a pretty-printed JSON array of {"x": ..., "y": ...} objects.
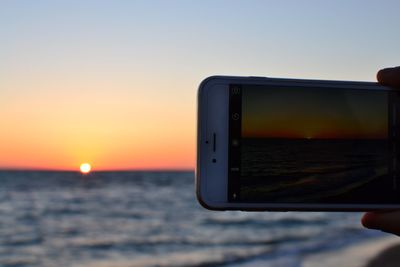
[{"x": 213, "y": 110}]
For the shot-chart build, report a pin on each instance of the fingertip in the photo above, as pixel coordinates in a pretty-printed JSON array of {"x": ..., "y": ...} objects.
[
  {"x": 382, "y": 75},
  {"x": 386, "y": 221},
  {"x": 368, "y": 220},
  {"x": 389, "y": 77}
]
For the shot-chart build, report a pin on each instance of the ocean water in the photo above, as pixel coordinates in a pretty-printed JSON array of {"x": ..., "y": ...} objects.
[
  {"x": 317, "y": 170},
  {"x": 121, "y": 219}
]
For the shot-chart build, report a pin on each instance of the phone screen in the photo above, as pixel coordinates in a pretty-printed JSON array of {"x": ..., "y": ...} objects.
[{"x": 311, "y": 145}]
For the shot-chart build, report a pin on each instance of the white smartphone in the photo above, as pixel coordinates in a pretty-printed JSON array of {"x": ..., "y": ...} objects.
[{"x": 290, "y": 144}]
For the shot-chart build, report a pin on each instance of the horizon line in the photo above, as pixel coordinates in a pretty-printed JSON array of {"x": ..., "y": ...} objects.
[{"x": 100, "y": 170}]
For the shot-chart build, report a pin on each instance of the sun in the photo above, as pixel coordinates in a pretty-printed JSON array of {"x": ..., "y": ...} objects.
[{"x": 85, "y": 168}]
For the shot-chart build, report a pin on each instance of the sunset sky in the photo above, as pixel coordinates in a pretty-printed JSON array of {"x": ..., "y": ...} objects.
[
  {"x": 313, "y": 113},
  {"x": 113, "y": 83}
]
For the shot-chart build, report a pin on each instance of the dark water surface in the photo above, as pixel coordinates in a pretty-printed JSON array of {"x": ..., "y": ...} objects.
[
  {"x": 317, "y": 170},
  {"x": 150, "y": 219}
]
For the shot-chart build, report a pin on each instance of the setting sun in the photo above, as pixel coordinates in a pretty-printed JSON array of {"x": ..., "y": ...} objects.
[{"x": 85, "y": 168}]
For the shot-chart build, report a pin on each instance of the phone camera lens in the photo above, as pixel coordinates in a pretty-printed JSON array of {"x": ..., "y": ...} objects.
[{"x": 235, "y": 116}]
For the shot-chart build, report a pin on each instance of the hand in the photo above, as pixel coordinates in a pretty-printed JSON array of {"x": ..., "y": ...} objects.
[
  {"x": 389, "y": 77},
  {"x": 387, "y": 221}
]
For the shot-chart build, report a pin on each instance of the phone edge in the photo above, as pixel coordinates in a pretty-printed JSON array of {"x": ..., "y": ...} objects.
[{"x": 283, "y": 208}]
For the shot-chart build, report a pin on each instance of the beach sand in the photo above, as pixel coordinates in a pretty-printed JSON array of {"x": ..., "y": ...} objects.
[{"x": 382, "y": 252}]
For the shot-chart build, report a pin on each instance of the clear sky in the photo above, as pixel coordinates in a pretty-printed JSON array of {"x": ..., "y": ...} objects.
[{"x": 114, "y": 83}]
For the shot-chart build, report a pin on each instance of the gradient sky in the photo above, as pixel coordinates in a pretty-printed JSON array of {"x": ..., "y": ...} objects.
[
  {"x": 313, "y": 113},
  {"x": 114, "y": 83}
]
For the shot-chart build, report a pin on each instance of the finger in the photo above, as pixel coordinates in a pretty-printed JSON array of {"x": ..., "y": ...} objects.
[
  {"x": 385, "y": 221},
  {"x": 389, "y": 77}
]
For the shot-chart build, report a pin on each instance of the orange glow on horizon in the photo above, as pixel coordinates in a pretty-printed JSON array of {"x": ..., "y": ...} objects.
[
  {"x": 315, "y": 135},
  {"x": 118, "y": 130}
]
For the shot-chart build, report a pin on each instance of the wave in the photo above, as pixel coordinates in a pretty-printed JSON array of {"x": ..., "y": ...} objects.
[
  {"x": 117, "y": 242},
  {"x": 22, "y": 240},
  {"x": 200, "y": 258},
  {"x": 260, "y": 223}
]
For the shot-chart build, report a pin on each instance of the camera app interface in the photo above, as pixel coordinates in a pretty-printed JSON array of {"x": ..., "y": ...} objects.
[{"x": 311, "y": 145}]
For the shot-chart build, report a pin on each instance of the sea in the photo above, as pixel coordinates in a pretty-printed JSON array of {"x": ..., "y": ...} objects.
[
  {"x": 137, "y": 218},
  {"x": 317, "y": 171}
]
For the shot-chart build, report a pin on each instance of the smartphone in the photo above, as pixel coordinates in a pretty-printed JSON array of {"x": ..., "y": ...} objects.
[{"x": 293, "y": 145}]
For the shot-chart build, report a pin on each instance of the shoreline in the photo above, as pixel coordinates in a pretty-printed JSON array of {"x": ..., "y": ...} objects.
[{"x": 383, "y": 251}]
